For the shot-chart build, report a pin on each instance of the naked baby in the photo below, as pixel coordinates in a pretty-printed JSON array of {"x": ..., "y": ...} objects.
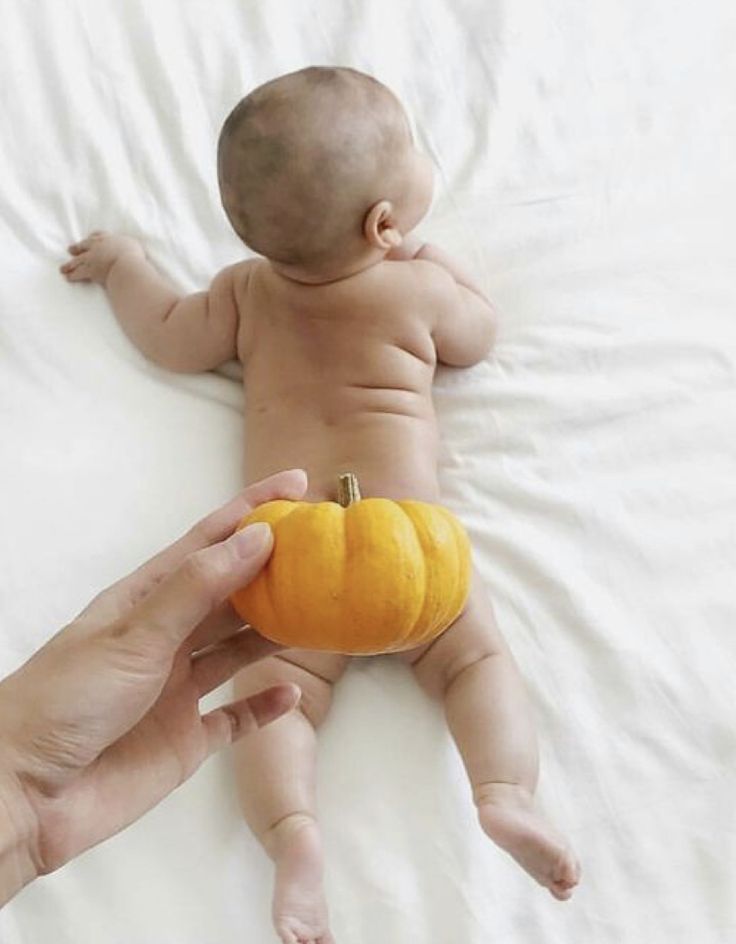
[{"x": 339, "y": 324}]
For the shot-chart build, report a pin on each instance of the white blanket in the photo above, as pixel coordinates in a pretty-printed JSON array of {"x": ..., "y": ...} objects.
[{"x": 586, "y": 158}]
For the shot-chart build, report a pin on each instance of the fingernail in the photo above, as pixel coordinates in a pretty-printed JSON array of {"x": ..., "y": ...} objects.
[{"x": 251, "y": 540}]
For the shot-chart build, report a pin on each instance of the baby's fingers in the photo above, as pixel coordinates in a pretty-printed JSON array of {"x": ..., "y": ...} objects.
[
  {"x": 69, "y": 265},
  {"x": 75, "y": 270},
  {"x": 79, "y": 275},
  {"x": 84, "y": 244}
]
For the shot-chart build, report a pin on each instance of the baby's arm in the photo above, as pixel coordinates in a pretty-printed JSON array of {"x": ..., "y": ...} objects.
[
  {"x": 465, "y": 332},
  {"x": 182, "y": 333}
]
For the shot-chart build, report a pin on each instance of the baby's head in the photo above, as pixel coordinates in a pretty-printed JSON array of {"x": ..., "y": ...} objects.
[{"x": 318, "y": 172}]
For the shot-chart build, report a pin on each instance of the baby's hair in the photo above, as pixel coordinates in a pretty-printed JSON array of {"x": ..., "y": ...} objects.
[{"x": 301, "y": 159}]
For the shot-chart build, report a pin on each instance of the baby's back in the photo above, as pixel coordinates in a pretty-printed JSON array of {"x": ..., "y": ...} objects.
[{"x": 338, "y": 378}]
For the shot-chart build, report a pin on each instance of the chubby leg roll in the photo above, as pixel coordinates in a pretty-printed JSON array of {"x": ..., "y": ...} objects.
[
  {"x": 471, "y": 669},
  {"x": 276, "y": 784}
]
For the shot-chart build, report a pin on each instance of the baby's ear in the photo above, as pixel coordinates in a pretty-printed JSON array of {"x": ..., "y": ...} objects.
[{"x": 379, "y": 227}]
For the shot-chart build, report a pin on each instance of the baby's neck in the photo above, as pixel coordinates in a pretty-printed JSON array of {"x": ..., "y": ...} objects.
[{"x": 327, "y": 275}]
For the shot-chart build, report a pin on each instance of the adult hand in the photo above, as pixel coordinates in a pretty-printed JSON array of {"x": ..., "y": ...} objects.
[{"x": 103, "y": 721}]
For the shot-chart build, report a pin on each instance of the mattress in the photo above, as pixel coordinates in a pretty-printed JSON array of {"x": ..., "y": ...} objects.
[{"x": 586, "y": 171}]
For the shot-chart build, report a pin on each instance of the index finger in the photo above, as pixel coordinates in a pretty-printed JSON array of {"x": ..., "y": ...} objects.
[
  {"x": 208, "y": 576},
  {"x": 221, "y": 523},
  {"x": 215, "y": 527}
]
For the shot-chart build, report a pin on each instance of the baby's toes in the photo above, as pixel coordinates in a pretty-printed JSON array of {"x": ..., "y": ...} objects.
[
  {"x": 568, "y": 872},
  {"x": 296, "y": 933},
  {"x": 565, "y": 877},
  {"x": 560, "y": 892},
  {"x": 288, "y": 934}
]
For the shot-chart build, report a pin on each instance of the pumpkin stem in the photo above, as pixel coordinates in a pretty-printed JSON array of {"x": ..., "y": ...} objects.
[{"x": 347, "y": 489}]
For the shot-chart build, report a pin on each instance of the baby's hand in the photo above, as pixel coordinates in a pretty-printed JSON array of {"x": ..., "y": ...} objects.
[{"x": 94, "y": 256}]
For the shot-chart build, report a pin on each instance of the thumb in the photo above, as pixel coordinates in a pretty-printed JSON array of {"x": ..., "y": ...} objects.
[{"x": 202, "y": 582}]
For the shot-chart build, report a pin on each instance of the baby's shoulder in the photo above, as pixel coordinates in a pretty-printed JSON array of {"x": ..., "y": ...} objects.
[
  {"x": 235, "y": 275},
  {"x": 238, "y": 278},
  {"x": 420, "y": 277}
]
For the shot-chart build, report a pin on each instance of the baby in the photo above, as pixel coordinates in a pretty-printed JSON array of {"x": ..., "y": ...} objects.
[{"x": 339, "y": 327}]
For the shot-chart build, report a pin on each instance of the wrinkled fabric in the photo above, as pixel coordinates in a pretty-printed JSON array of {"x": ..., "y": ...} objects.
[{"x": 586, "y": 171}]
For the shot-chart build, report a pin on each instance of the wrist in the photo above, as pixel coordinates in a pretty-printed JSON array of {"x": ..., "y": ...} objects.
[
  {"x": 18, "y": 864},
  {"x": 123, "y": 255}
]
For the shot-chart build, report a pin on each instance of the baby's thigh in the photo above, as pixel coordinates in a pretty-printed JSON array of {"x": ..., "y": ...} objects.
[
  {"x": 314, "y": 672},
  {"x": 473, "y": 636}
]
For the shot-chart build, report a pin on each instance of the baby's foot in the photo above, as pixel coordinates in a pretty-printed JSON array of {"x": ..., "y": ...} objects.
[
  {"x": 506, "y": 813},
  {"x": 299, "y": 906}
]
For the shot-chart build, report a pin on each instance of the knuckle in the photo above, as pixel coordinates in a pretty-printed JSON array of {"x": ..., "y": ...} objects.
[
  {"x": 198, "y": 568},
  {"x": 131, "y": 627},
  {"x": 206, "y": 531},
  {"x": 134, "y": 645},
  {"x": 205, "y": 571}
]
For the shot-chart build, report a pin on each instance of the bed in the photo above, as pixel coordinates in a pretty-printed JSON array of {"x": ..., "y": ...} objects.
[{"x": 586, "y": 169}]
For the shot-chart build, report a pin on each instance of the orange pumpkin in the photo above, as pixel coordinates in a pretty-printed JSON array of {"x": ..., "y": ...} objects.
[{"x": 357, "y": 576}]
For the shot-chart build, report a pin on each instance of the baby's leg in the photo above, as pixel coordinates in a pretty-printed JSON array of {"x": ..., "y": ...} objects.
[
  {"x": 471, "y": 668},
  {"x": 276, "y": 783}
]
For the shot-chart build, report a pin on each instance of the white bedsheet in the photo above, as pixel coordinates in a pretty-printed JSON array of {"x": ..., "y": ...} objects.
[{"x": 587, "y": 169}]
